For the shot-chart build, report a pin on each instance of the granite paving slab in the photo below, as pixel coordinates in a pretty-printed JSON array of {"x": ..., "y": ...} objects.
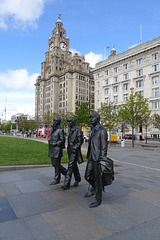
[
  {"x": 7, "y": 177},
  {"x": 110, "y": 216},
  {"x": 15, "y": 230},
  {"x": 33, "y": 185},
  {"x": 141, "y": 210},
  {"x": 61, "y": 198},
  {"x": 31, "y": 174},
  {"x": 147, "y": 231},
  {"x": 6, "y": 212},
  {"x": 149, "y": 196},
  {"x": 40, "y": 229},
  {"x": 10, "y": 189},
  {"x": 29, "y": 204},
  {"x": 71, "y": 223}
]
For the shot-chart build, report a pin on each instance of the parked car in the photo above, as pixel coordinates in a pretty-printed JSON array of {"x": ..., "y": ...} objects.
[{"x": 129, "y": 136}]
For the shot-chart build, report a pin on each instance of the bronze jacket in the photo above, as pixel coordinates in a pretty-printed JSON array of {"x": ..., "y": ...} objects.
[
  {"x": 56, "y": 142},
  {"x": 75, "y": 140}
]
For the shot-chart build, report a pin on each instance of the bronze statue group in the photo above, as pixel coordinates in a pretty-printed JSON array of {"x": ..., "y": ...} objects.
[{"x": 99, "y": 169}]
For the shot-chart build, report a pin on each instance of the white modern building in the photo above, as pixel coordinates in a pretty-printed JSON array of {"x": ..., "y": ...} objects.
[{"x": 136, "y": 68}]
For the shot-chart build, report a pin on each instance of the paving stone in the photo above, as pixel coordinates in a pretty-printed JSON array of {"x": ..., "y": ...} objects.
[
  {"x": 111, "y": 217},
  {"x": 6, "y": 212},
  {"x": 29, "y": 204},
  {"x": 61, "y": 198},
  {"x": 139, "y": 209},
  {"x": 72, "y": 223},
  {"x": 33, "y": 185},
  {"x": 40, "y": 229},
  {"x": 148, "y": 196},
  {"x": 2, "y": 192},
  {"x": 146, "y": 231},
  {"x": 10, "y": 189},
  {"x": 15, "y": 230},
  {"x": 10, "y": 177},
  {"x": 31, "y": 174}
]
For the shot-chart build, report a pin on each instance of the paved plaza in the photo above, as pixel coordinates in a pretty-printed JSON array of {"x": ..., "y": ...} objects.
[{"x": 31, "y": 209}]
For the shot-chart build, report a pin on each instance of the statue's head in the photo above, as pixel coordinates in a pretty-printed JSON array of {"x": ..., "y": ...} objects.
[
  {"x": 94, "y": 118},
  {"x": 71, "y": 121},
  {"x": 56, "y": 121}
]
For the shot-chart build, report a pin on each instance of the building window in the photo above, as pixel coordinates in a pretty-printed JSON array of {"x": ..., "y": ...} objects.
[
  {"x": 155, "y": 105},
  {"x": 155, "y": 92},
  {"x": 125, "y": 97},
  {"x": 107, "y": 72},
  {"x": 139, "y": 72},
  {"x": 107, "y": 91},
  {"x": 107, "y": 82},
  {"x": 139, "y": 84},
  {"x": 140, "y": 93},
  {"x": 125, "y": 86},
  {"x": 98, "y": 93},
  {"x": 115, "y": 99},
  {"x": 125, "y": 76},
  {"x": 155, "y": 80},
  {"x": 155, "y": 68},
  {"x": 116, "y": 89},
  {"x": 115, "y": 79},
  {"x": 125, "y": 66},
  {"x": 155, "y": 56},
  {"x": 107, "y": 100},
  {"x": 139, "y": 61},
  {"x": 115, "y": 69}
]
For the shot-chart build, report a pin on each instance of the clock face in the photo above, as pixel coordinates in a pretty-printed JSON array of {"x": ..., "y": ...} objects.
[
  {"x": 63, "y": 46},
  {"x": 51, "y": 46}
]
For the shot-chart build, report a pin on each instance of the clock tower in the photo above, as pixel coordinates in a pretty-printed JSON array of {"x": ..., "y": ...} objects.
[{"x": 65, "y": 77}]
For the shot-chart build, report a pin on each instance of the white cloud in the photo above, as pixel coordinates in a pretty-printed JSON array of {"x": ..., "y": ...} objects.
[
  {"x": 18, "y": 79},
  {"x": 16, "y": 102},
  {"x": 93, "y": 58},
  {"x": 23, "y": 12}
]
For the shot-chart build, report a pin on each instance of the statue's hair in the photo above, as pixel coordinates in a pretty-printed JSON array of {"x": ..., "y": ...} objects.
[
  {"x": 96, "y": 115},
  {"x": 71, "y": 118},
  {"x": 58, "y": 119}
]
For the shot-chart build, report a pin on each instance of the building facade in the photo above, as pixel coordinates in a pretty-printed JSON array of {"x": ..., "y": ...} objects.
[
  {"x": 136, "y": 68},
  {"x": 65, "y": 77}
]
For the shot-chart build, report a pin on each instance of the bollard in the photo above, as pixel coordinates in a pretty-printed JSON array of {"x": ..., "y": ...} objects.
[{"x": 122, "y": 143}]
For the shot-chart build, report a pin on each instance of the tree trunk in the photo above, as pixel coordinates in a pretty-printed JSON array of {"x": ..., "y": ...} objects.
[{"x": 132, "y": 137}]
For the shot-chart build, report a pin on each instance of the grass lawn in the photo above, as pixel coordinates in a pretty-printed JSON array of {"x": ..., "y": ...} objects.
[{"x": 19, "y": 151}]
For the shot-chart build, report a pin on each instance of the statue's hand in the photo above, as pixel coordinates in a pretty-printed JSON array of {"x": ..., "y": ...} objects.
[{"x": 53, "y": 144}]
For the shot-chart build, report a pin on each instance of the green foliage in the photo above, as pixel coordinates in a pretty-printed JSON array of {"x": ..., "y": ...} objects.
[
  {"x": 108, "y": 114},
  {"x": 135, "y": 112},
  {"x": 156, "y": 120},
  {"x": 82, "y": 113},
  {"x": 48, "y": 118}
]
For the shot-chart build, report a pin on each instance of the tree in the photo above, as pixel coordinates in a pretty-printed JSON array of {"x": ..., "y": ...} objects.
[
  {"x": 82, "y": 113},
  {"x": 156, "y": 120},
  {"x": 135, "y": 112},
  {"x": 108, "y": 115},
  {"x": 48, "y": 118}
]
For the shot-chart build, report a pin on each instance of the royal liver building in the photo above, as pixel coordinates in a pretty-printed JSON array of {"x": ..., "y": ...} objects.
[{"x": 65, "y": 77}]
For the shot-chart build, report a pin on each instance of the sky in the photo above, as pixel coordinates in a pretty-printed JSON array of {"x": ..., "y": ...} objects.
[{"x": 26, "y": 25}]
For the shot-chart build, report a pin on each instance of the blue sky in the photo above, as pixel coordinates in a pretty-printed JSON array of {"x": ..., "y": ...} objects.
[{"x": 26, "y": 25}]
